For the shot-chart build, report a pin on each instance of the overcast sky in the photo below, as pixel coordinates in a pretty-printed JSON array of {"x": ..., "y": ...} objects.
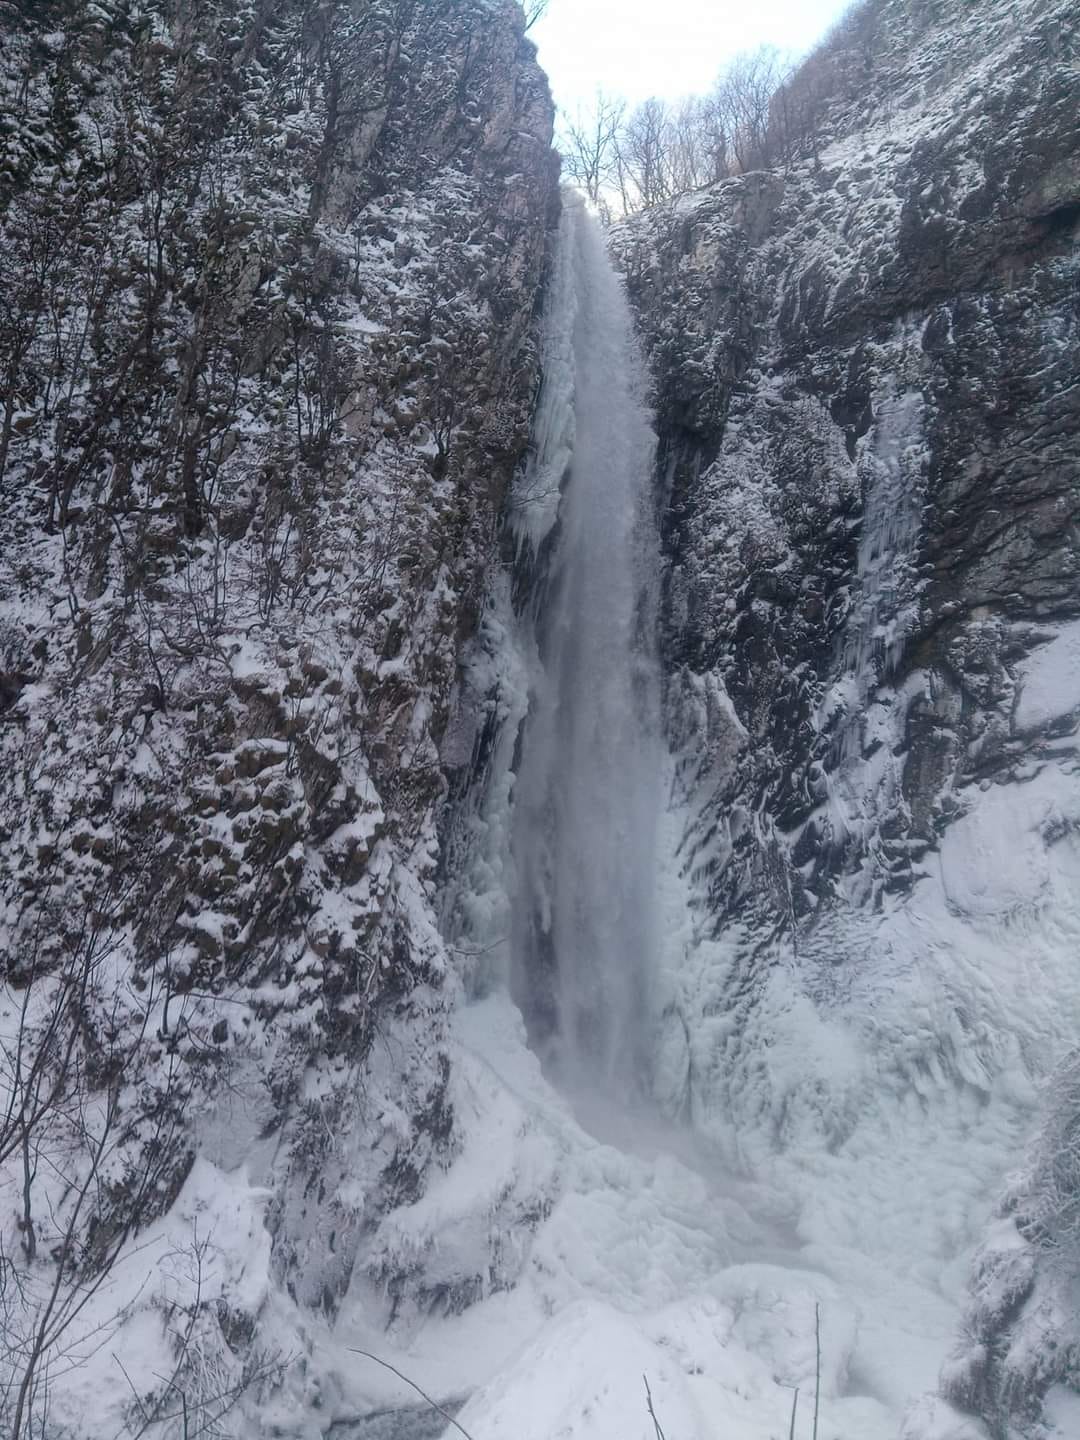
[{"x": 638, "y": 48}]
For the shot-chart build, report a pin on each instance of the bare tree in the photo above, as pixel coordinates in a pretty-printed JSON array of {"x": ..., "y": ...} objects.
[
  {"x": 713, "y": 139},
  {"x": 93, "y": 1093},
  {"x": 533, "y": 11},
  {"x": 795, "y": 114},
  {"x": 589, "y": 145},
  {"x": 758, "y": 114},
  {"x": 645, "y": 154},
  {"x": 742, "y": 97}
]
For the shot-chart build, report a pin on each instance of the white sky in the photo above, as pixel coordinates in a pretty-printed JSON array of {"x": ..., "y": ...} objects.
[{"x": 668, "y": 48}]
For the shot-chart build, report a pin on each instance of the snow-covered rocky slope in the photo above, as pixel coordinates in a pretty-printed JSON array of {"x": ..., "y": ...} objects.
[
  {"x": 268, "y": 275},
  {"x": 866, "y": 369}
]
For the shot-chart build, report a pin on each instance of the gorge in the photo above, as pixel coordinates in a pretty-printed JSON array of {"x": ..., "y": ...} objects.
[{"x": 540, "y": 789}]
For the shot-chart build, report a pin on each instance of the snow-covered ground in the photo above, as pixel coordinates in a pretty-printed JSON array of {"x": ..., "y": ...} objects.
[
  {"x": 842, "y": 1157},
  {"x": 820, "y": 1159},
  {"x": 769, "y": 1233}
]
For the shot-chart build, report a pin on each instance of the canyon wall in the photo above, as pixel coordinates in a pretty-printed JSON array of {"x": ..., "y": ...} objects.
[
  {"x": 268, "y": 276},
  {"x": 865, "y": 366}
]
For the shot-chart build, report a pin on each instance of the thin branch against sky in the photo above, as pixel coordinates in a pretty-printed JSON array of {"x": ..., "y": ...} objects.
[{"x": 668, "y": 48}]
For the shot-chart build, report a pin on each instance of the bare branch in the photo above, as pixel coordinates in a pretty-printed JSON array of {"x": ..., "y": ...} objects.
[
  {"x": 652, "y": 1412},
  {"x": 533, "y": 11},
  {"x": 433, "y": 1403}
]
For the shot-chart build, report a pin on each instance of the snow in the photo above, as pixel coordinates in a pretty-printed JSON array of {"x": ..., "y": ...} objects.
[
  {"x": 213, "y": 1248},
  {"x": 600, "y": 1359},
  {"x": 846, "y": 1152},
  {"x": 635, "y": 1271},
  {"x": 995, "y": 859},
  {"x": 1050, "y": 680},
  {"x": 833, "y": 1115},
  {"x": 829, "y": 1127},
  {"x": 1062, "y": 1410},
  {"x": 839, "y": 1143},
  {"x": 504, "y": 1165},
  {"x": 708, "y": 1373}
]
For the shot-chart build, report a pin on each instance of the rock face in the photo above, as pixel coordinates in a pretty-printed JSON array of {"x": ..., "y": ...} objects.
[
  {"x": 865, "y": 369},
  {"x": 267, "y": 289}
]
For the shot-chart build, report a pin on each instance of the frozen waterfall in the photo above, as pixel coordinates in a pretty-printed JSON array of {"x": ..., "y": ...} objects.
[
  {"x": 586, "y": 791},
  {"x": 795, "y": 1212}
]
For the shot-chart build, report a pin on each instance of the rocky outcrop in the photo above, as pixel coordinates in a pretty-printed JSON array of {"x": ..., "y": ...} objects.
[
  {"x": 267, "y": 289},
  {"x": 865, "y": 368}
]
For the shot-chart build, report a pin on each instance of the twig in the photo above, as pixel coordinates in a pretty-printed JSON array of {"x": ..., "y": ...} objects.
[
  {"x": 433, "y": 1403},
  {"x": 817, "y": 1380},
  {"x": 131, "y": 1387},
  {"x": 794, "y": 1408},
  {"x": 471, "y": 951},
  {"x": 652, "y": 1412}
]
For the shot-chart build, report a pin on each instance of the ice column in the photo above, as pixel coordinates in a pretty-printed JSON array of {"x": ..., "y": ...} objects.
[{"x": 586, "y": 790}]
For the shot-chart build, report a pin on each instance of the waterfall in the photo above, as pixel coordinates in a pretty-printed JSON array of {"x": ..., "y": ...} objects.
[{"x": 587, "y": 783}]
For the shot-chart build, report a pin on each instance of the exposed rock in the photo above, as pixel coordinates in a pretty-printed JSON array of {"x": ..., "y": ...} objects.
[
  {"x": 865, "y": 373},
  {"x": 268, "y": 284}
]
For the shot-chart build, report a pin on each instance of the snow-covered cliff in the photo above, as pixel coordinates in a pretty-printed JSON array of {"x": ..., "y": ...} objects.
[
  {"x": 865, "y": 367},
  {"x": 267, "y": 362}
]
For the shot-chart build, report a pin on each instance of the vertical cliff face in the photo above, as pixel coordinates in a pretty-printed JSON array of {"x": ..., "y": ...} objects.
[
  {"x": 267, "y": 284},
  {"x": 865, "y": 368}
]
